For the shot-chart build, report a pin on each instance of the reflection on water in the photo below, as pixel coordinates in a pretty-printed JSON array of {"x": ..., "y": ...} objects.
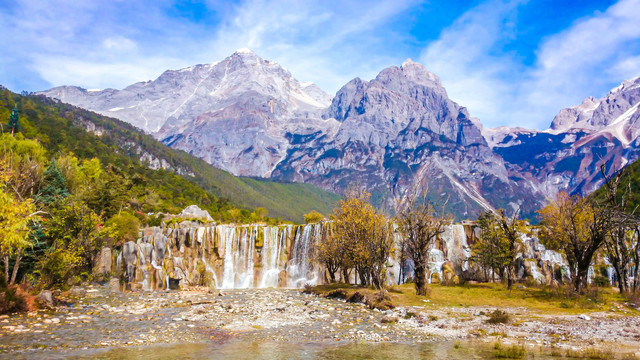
[{"x": 237, "y": 349}]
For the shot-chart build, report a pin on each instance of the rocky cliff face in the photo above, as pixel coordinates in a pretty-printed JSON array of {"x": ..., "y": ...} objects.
[
  {"x": 568, "y": 155},
  {"x": 232, "y": 113},
  {"x": 250, "y": 117},
  {"x": 398, "y": 130}
]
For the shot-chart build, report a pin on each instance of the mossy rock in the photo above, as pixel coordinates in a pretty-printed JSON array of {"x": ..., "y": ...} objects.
[
  {"x": 260, "y": 238},
  {"x": 435, "y": 278}
]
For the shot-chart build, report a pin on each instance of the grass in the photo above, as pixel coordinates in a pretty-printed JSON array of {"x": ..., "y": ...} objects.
[
  {"x": 541, "y": 300},
  {"x": 589, "y": 353},
  {"x": 509, "y": 352}
]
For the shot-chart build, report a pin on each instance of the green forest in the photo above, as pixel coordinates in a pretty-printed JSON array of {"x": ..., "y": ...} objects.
[{"x": 72, "y": 182}]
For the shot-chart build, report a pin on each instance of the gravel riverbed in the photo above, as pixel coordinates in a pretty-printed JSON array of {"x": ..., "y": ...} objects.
[{"x": 101, "y": 319}]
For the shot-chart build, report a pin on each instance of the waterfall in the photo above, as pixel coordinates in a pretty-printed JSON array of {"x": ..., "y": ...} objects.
[
  {"x": 239, "y": 255},
  {"x": 455, "y": 240},
  {"x": 300, "y": 265},
  {"x": 436, "y": 260},
  {"x": 227, "y": 235},
  {"x": 272, "y": 249},
  {"x": 145, "y": 273},
  {"x": 263, "y": 256}
]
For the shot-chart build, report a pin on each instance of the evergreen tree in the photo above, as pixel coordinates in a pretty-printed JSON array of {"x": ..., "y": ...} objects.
[
  {"x": 14, "y": 122},
  {"x": 55, "y": 185}
]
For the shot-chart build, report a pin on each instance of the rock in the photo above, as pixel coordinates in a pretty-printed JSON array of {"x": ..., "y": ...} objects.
[
  {"x": 130, "y": 256},
  {"x": 193, "y": 211},
  {"x": 114, "y": 285},
  {"x": 45, "y": 300},
  {"x": 389, "y": 319},
  {"x": 102, "y": 262},
  {"x": 174, "y": 284},
  {"x": 77, "y": 291},
  {"x": 584, "y": 317}
]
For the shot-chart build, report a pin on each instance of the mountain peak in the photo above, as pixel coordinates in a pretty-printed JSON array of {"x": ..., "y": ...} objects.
[
  {"x": 419, "y": 74},
  {"x": 244, "y": 50},
  {"x": 407, "y": 62}
]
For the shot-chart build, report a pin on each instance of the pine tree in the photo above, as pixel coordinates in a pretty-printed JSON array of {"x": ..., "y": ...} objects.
[
  {"x": 55, "y": 185},
  {"x": 14, "y": 121}
]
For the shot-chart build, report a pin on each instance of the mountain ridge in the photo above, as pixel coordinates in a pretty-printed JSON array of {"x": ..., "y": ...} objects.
[{"x": 389, "y": 134}]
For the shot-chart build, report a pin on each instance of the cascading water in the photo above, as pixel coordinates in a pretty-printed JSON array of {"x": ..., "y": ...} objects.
[
  {"x": 299, "y": 269},
  {"x": 227, "y": 236},
  {"x": 239, "y": 255},
  {"x": 272, "y": 252},
  {"x": 261, "y": 256},
  {"x": 455, "y": 241},
  {"x": 436, "y": 260}
]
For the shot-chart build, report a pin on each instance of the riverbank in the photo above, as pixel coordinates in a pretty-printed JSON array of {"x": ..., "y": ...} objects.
[{"x": 102, "y": 320}]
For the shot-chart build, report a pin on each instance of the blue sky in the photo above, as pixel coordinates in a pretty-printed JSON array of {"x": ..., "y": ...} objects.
[{"x": 514, "y": 63}]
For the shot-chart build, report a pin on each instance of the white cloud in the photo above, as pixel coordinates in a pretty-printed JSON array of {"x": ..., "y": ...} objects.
[
  {"x": 79, "y": 42},
  {"x": 584, "y": 60},
  {"x": 462, "y": 57},
  {"x": 329, "y": 45}
]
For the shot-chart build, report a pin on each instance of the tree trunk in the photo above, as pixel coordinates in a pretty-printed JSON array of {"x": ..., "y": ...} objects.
[
  {"x": 15, "y": 267},
  {"x": 6, "y": 268},
  {"x": 580, "y": 280},
  {"x": 623, "y": 284},
  {"x": 420, "y": 279}
]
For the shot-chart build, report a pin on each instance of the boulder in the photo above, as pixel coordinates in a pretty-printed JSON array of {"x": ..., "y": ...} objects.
[
  {"x": 76, "y": 291},
  {"x": 193, "y": 211},
  {"x": 130, "y": 255},
  {"x": 45, "y": 300},
  {"x": 102, "y": 263},
  {"x": 389, "y": 319},
  {"x": 114, "y": 285}
]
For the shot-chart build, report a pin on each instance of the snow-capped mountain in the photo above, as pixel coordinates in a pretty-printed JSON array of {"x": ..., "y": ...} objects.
[
  {"x": 231, "y": 113},
  {"x": 251, "y": 117},
  {"x": 398, "y": 130},
  {"x": 569, "y": 154}
]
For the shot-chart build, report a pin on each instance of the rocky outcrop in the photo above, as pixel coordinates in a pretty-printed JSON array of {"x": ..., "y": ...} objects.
[
  {"x": 102, "y": 262},
  {"x": 259, "y": 256},
  {"x": 194, "y": 212},
  {"x": 400, "y": 130}
]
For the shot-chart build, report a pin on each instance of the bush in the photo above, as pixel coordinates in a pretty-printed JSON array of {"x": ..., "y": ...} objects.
[
  {"x": 498, "y": 317},
  {"x": 10, "y": 300},
  {"x": 601, "y": 281},
  {"x": 124, "y": 227},
  {"x": 337, "y": 294},
  {"x": 313, "y": 217},
  {"x": 357, "y": 297}
]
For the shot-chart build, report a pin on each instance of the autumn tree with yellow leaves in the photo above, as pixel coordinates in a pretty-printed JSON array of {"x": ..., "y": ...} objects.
[
  {"x": 361, "y": 240},
  {"x": 576, "y": 227}
]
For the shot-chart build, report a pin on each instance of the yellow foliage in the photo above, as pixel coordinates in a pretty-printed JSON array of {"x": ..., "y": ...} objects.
[{"x": 14, "y": 223}]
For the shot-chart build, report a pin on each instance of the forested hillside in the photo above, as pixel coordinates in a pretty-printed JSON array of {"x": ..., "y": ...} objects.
[{"x": 179, "y": 179}]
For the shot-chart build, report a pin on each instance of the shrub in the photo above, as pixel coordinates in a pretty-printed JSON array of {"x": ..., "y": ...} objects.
[
  {"x": 124, "y": 227},
  {"x": 313, "y": 217},
  {"x": 10, "y": 300},
  {"x": 337, "y": 294},
  {"x": 498, "y": 317}
]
